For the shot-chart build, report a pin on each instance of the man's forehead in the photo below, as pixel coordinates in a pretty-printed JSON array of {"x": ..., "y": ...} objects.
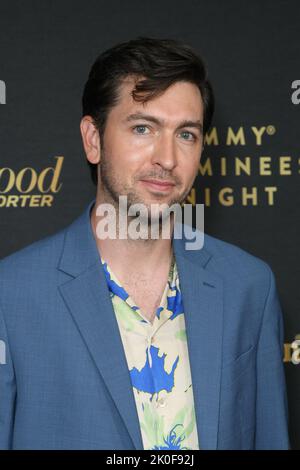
[
  {"x": 128, "y": 84},
  {"x": 192, "y": 110}
]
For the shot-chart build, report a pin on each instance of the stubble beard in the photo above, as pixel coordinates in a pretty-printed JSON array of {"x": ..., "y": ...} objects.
[{"x": 112, "y": 188}]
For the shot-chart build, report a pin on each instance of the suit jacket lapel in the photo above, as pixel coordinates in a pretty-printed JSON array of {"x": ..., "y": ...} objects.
[
  {"x": 202, "y": 294},
  {"x": 87, "y": 298}
]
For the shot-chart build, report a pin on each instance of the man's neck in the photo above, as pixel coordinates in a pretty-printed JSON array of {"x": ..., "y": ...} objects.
[{"x": 127, "y": 256}]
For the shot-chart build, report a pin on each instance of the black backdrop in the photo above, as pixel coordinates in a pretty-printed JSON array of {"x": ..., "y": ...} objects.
[{"x": 252, "y": 51}]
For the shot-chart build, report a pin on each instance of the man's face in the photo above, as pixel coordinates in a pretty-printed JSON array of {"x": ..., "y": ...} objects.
[{"x": 151, "y": 151}]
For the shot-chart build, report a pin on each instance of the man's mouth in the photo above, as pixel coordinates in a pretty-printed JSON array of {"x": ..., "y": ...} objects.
[{"x": 158, "y": 185}]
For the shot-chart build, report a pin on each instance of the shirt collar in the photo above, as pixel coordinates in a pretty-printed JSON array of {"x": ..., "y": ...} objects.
[{"x": 170, "y": 296}]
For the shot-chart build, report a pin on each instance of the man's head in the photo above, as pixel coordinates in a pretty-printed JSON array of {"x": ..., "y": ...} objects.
[{"x": 146, "y": 107}]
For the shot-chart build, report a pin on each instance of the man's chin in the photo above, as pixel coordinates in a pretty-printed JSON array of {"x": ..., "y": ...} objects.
[{"x": 157, "y": 213}]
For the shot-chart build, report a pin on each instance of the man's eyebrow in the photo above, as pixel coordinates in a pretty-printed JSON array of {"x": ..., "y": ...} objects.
[{"x": 160, "y": 122}]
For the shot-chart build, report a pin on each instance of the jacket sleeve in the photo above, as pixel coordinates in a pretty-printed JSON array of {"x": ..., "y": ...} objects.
[
  {"x": 7, "y": 388},
  {"x": 271, "y": 398}
]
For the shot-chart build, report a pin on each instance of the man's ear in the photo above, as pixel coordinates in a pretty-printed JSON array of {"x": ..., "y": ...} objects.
[{"x": 91, "y": 139}]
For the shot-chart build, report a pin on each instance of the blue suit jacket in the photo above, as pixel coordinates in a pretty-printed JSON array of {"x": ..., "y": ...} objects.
[{"x": 65, "y": 383}]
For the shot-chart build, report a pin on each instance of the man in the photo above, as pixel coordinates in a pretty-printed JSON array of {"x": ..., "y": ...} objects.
[{"x": 139, "y": 343}]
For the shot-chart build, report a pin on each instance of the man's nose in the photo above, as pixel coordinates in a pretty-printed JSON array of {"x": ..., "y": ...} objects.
[{"x": 165, "y": 152}]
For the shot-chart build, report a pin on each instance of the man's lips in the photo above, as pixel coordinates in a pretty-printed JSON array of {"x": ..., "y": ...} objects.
[{"x": 158, "y": 184}]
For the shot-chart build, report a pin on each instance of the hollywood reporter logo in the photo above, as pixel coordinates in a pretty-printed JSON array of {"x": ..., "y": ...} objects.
[{"x": 29, "y": 187}]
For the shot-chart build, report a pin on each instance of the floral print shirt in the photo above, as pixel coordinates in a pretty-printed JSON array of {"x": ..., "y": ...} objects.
[{"x": 158, "y": 363}]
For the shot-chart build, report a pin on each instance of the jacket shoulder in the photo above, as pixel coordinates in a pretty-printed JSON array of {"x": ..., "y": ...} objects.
[
  {"x": 219, "y": 251},
  {"x": 228, "y": 257},
  {"x": 45, "y": 251}
]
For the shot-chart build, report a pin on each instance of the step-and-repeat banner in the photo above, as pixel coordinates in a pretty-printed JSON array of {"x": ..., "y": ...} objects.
[{"x": 249, "y": 173}]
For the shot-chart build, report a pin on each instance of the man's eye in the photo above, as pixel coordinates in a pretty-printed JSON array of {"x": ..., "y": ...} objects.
[
  {"x": 188, "y": 135},
  {"x": 140, "y": 129}
]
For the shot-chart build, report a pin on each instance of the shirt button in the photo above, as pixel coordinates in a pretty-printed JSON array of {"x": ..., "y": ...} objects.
[{"x": 162, "y": 402}]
